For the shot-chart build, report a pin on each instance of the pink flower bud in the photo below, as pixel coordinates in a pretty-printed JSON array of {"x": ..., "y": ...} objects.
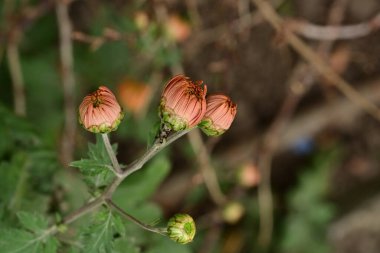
[
  {"x": 100, "y": 112},
  {"x": 183, "y": 103},
  {"x": 220, "y": 113}
]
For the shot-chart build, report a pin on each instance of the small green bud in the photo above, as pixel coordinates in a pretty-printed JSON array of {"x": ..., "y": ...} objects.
[
  {"x": 181, "y": 228},
  {"x": 62, "y": 228}
]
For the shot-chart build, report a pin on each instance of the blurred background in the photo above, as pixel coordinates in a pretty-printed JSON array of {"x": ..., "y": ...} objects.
[{"x": 298, "y": 171}]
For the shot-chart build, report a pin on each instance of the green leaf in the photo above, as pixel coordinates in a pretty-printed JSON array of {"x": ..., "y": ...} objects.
[
  {"x": 36, "y": 238},
  {"x": 98, "y": 151},
  {"x": 97, "y": 169},
  {"x": 32, "y": 222},
  {"x": 124, "y": 245},
  {"x": 15, "y": 132},
  {"x": 18, "y": 241},
  {"x": 90, "y": 167},
  {"x": 13, "y": 177},
  {"x": 310, "y": 212},
  {"x": 98, "y": 237}
]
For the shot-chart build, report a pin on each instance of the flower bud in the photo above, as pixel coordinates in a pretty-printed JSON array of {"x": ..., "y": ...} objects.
[
  {"x": 183, "y": 103},
  {"x": 219, "y": 115},
  {"x": 99, "y": 111},
  {"x": 181, "y": 228}
]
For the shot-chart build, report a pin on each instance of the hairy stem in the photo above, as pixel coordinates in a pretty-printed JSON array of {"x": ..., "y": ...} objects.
[
  {"x": 111, "y": 154},
  {"x": 106, "y": 196},
  {"x": 161, "y": 231},
  {"x": 157, "y": 146}
]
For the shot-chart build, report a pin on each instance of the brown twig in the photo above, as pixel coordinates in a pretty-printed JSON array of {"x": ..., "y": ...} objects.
[
  {"x": 109, "y": 34},
  {"x": 308, "y": 124},
  {"x": 298, "y": 85},
  {"x": 14, "y": 64},
  {"x": 245, "y": 21},
  {"x": 28, "y": 15},
  {"x": 316, "y": 61},
  {"x": 208, "y": 172},
  {"x": 334, "y": 32},
  {"x": 269, "y": 146},
  {"x": 68, "y": 81}
]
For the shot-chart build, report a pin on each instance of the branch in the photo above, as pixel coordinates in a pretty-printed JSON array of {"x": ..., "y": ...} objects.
[
  {"x": 272, "y": 137},
  {"x": 334, "y": 32},
  {"x": 115, "y": 164},
  {"x": 161, "y": 231},
  {"x": 68, "y": 81},
  {"x": 157, "y": 146},
  {"x": 317, "y": 62},
  {"x": 207, "y": 171},
  {"x": 107, "y": 194},
  {"x": 14, "y": 64}
]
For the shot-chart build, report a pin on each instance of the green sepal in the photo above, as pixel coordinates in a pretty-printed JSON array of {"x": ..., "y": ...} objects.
[
  {"x": 181, "y": 228},
  {"x": 209, "y": 128}
]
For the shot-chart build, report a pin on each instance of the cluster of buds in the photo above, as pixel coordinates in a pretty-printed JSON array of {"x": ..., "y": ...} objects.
[{"x": 184, "y": 105}]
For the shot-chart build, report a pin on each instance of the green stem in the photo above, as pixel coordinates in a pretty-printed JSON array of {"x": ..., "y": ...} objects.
[
  {"x": 161, "y": 231},
  {"x": 106, "y": 196},
  {"x": 157, "y": 147},
  {"x": 111, "y": 154}
]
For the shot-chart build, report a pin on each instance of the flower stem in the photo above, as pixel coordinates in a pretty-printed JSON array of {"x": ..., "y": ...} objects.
[
  {"x": 161, "y": 231},
  {"x": 107, "y": 194},
  {"x": 157, "y": 146},
  {"x": 111, "y": 154}
]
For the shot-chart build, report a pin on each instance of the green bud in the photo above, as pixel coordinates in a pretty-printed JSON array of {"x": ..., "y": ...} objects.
[{"x": 181, "y": 228}]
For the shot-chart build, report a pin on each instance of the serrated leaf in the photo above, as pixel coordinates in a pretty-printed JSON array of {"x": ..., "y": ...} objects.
[
  {"x": 51, "y": 245},
  {"x": 21, "y": 241},
  {"x": 36, "y": 238},
  {"x": 32, "y": 222},
  {"x": 99, "y": 236},
  {"x": 119, "y": 225},
  {"x": 90, "y": 167},
  {"x": 98, "y": 151},
  {"x": 97, "y": 169}
]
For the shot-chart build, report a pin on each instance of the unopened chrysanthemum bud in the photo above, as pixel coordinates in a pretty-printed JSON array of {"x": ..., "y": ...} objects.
[
  {"x": 220, "y": 113},
  {"x": 181, "y": 228},
  {"x": 100, "y": 112},
  {"x": 183, "y": 103}
]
